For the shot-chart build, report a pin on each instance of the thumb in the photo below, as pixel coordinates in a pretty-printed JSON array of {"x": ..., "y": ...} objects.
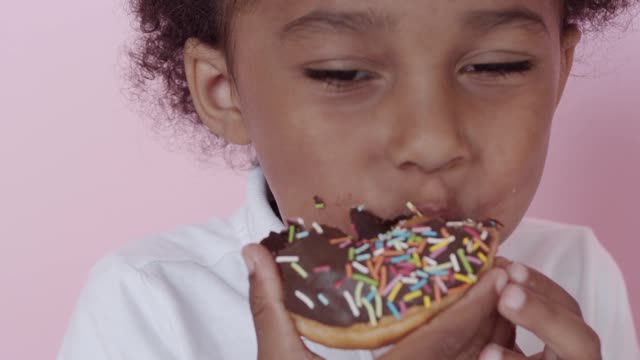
[{"x": 275, "y": 331}]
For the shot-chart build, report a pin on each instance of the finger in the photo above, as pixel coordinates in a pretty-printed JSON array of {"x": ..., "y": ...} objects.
[
  {"x": 504, "y": 333},
  {"x": 496, "y": 352},
  {"x": 539, "y": 283},
  {"x": 563, "y": 332},
  {"x": 275, "y": 331},
  {"x": 463, "y": 328}
]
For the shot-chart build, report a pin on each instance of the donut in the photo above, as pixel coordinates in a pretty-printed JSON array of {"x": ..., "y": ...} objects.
[{"x": 370, "y": 290}]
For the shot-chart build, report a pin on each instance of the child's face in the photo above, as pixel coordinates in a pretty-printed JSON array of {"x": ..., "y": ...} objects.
[{"x": 379, "y": 102}]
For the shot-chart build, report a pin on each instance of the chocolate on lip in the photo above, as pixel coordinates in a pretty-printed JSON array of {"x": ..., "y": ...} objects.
[{"x": 338, "y": 280}]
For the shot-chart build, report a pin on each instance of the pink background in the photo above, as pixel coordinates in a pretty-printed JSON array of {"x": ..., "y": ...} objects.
[{"x": 81, "y": 175}]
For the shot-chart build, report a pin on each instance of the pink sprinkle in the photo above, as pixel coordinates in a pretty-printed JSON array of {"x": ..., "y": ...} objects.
[
  {"x": 421, "y": 229},
  {"x": 406, "y": 265},
  {"x": 403, "y": 307},
  {"x": 322, "y": 268},
  {"x": 406, "y": 271},
  {"x": 437, "y": 253},
  {"x": 390, "y": 285},
  {"x": 472, "y": 232},
  {"x": 394, "y": 272},
  {"x": 338, "y": 284},
  {"x": 344, "y": 244},
  {"x": 474, "y": 260},
  {"x": 427, "y": 288},
  {"x": 440, "y": 284},
  {"x": 412, "y": 250}
]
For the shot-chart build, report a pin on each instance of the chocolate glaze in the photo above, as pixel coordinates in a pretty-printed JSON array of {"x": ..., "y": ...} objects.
[{"x": 316, "y": 251}]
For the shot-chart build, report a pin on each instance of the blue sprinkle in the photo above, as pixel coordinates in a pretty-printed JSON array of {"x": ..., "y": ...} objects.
[
  {"x": 363, "y": 257},
  {"x": 422, "y": 274},
  {"x": 397, "y": 259},
  {"x": 419, "y": 285},
  {"x": 362, "y": 248},
  {"x": 437, "y": 272},
  {"x": 394, "y": 310},
  {"x": 301, "y": 235},
  {"x": 371, "y": 295},
  {"x": 379, "y": 244},
  {"x": 323, "y": 299}
]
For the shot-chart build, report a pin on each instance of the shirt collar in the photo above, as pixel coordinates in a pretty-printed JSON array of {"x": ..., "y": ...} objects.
[{"x": 261, "y": 219}]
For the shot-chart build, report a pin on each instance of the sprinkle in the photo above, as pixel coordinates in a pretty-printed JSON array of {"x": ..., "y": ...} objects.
[
  {"x": 338, "y": 284},
  {"x": 393, "y": 310},
  {"x": 427, "y": 288},
  {"x": 362, "y": 248},
  {"x": 302, "y": 235},
  {"x": 390, "y": 286},
  {"x": 437, "y": 253},
  {"x": 427, "y": 301},
  {"x": 323, "y": 299},
  {"x": 463, "y": 278},
  {"x": 465, "y": 241},
  {"x": 318, "y": 202},
  {"x": 445, "y": 266},
  {"x": 372, "y": 294},
  {"x": 344, "y": 244},
  {"x": 373, "y": 321},
  {"x": 393, "y": 253},
  {"x": 422, "y": 274},
  {"x": 398, "y": 259},
  {"x": 358, "y": 293},
  {"x": 409, "y": 280},
  {"x": 299, "y": 270},
  {"x": 352, "y": 305},
  {"x": 351, "y": 254},
  {"x": 365, "y": 279},
  {"x": 363, "y": 269},
  {"x": 323, "y": 268},
  {"x": 305, "y": 299},
  {"x": 481, "y": 244},
  {"x": 378, "y": 252},
  {"x": 378, "y": 306},
  {"x": 474, "y": 260},
  {"x": 360, "y": 208},
  {"x": 376, "y": 267},
  {"x": 482, "y": 257},
  {"x": 455, "y": 223},
  {"x": 438, "y": 295},
  {"x": 413, "y": 208},
  {"x": 300, "y": 221},
  {"x": 440, "y": 283},
  {"x": 317, "y": 227},
  {"x": 464, "y": 261},
  {"x": 403, "y": 307},
  {"x": 419, "y": 285},
  {"x": 438, "y": 246},
  {"x": 430, "y": 261},
  {"x": 416, "y": 259},
  {"x": 484, "y": 235},
  {"x": 445, "y": 232},
  {"x": 292, "y": 230},
  {"x": 383, "y": 279},
  {"x": 348, "y": 271},
  {"x": 319, "y": 206},
  {"x": 412, "y": 295},
  {"x": 418, "y": 229},
  {"x": 471, "y": 232},
  {"x": 395, "y": 292},
  {"x": 340, "y": 240},
  {"x": 454, "y": 261},
  {"x": 287, "y": 259},
  {"x": 363, "y": 257}
]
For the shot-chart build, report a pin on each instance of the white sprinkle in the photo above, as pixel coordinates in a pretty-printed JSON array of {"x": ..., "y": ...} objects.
[
  {"x": 470, "y": 247},
  {"x": 372, "y": 316},
  {"x": 287, "y": 259},
  {"x": 358, "y": 294},
  {"x": 455, "y": 223},
  {"x": 305, "y": 299},
  {"x": 300, "y": 221},
  {"x": 451, "y": 239},
  {"x": 317, "y": 227},
  {"x": 323, "y": 299},
  {"x": 352, "y": 305},
  {"x": 484, "y": 235},
  {"x": 378, "y": 252},
  {"x": 363, "y": 269},
  {"x": 436, "y": 240},
  {"x": 408, "y": 280},
  {"x": 430, "y": 261},
  {"x": 454, "y": 260},
  {"x": 361, "y": 208},
  {"x": 378, "y": 306}
]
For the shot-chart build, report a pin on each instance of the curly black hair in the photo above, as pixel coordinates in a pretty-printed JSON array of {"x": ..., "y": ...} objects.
[{"x": 156, "y": 75}]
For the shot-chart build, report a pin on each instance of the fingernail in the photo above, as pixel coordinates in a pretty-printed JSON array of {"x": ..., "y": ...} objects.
[
  {"x": 501, "y": 281},
  {"x": 513, "y": 297},
  {"x": 518, "y": 273},
  {"x": 248, "y": 260},
  {"x": 491, "y": 352}
]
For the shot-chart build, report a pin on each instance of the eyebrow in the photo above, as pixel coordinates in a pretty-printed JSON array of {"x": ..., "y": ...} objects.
[
  {"x": 488, "y": 20},
  {"x": 353, "y": 21}
]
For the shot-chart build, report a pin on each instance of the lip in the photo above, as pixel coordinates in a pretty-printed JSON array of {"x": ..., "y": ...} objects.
[{"x": 435, "y": 211}]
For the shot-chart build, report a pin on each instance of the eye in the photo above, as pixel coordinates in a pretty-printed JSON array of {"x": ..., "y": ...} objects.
[
  {"x": 499, "y": 69},
  {"x": 338, "y": 79}
]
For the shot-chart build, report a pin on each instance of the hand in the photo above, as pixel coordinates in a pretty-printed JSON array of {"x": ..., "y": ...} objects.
[
  {"x": 537, "y": 303},
  {"x": 459, "y": 332}
]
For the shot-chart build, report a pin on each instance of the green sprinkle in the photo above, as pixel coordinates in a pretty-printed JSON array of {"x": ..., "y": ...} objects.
[
  {"x": 351, "y": 253},
  {"x": 319, "y": 206},
  {"x": 292, "y": 231},
  {"x": 465, "y": 262},
  {"x": 365, "y": 279},
  {"x": 299, "y": 270}
]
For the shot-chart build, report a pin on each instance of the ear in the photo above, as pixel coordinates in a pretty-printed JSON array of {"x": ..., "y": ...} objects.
[
  {"x": 212, "y": 91},
  {"x": 570, "y": 38}
]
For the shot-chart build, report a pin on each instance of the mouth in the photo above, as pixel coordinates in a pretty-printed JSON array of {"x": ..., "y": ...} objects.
[{"x": 435, "y": 211}]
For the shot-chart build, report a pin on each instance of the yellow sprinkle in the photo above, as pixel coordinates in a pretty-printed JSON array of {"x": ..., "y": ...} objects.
[
  {"x": 463, "y": 278},
  {"x": 427, "y": 301},
  {"x": 299, "y": 270},
  {"x": 416, "y": 259},
  {"x": 394, "y": 292},
  {"x": 465, "y": 241},
  {"x": 482, "y": 257},
  {"x": 438, "y": 246},
  {"x": 410, "y": 296},
  {"x": 372, "y": 316}
]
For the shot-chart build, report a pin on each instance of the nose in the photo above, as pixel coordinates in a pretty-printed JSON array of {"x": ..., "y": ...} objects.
[{"x": 426, "y": 131}]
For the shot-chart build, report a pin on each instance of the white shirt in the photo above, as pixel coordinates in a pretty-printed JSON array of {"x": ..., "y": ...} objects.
[{"x": 183, "y": 295}]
